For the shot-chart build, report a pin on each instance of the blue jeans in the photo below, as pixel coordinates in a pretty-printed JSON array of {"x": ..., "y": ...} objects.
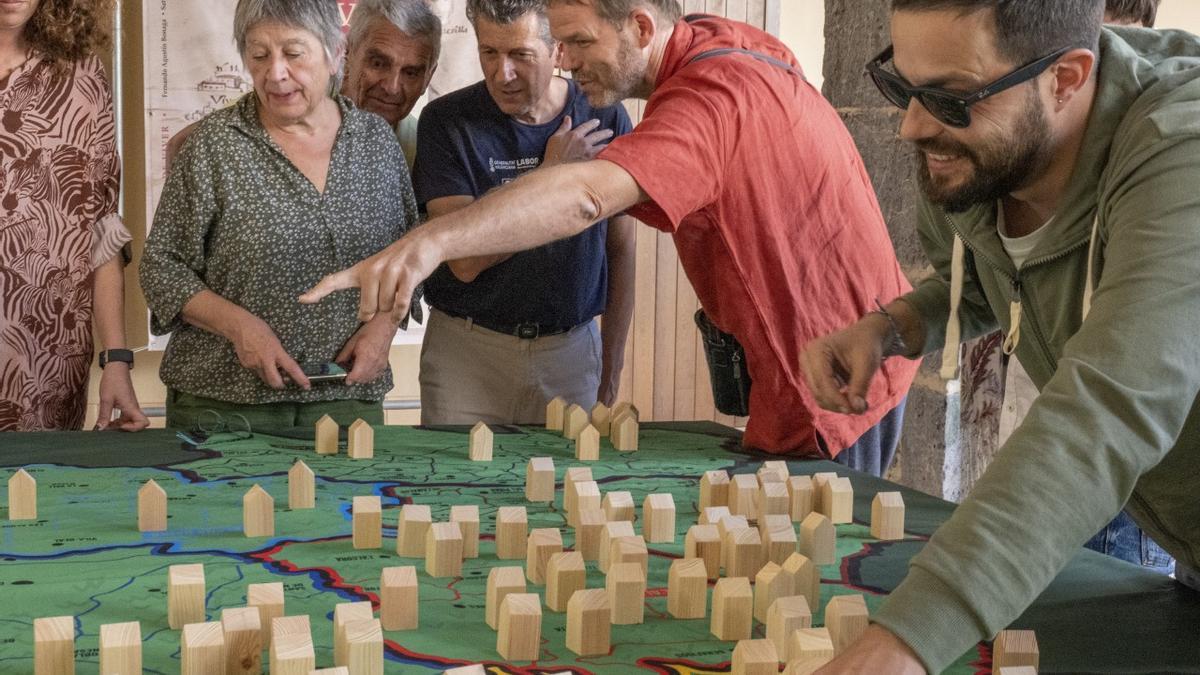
[
  {"x": 874, "y": 451},
  {"x": 1123, "y": 539}
]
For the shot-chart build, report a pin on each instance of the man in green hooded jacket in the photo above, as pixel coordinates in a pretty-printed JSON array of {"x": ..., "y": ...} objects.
[{"x": 1060, "y": 171}]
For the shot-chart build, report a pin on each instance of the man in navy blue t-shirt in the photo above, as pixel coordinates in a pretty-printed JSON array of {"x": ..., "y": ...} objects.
[{"x": 508, "y": 333}]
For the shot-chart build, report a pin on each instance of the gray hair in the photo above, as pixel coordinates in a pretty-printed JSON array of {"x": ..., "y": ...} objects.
[
  {"x": 411, "y": 17},
  {"x": 616, "y": 11},
  {"x": 322, "y": 18},
  {"x": 504, "y": 12}
]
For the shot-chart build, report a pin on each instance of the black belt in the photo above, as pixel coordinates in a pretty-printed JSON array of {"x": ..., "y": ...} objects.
[{"x": 529, "y": 330}]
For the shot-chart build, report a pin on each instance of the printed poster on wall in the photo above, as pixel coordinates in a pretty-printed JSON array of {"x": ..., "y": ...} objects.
[{"x": 192, "y": 68}]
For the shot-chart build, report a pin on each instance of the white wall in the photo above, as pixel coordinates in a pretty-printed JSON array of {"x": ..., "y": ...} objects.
[
  {"x": 802, "y": 28},
  {"x": 1183, "y": 14}
]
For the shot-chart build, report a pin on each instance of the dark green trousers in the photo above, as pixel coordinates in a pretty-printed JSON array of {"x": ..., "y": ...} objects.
[{"x": 188, "y": 412}]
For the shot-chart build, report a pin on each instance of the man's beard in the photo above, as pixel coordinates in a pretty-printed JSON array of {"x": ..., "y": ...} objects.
[
  {"x": 1001, "y": 166},
  {"x": 622, "y": 80}
]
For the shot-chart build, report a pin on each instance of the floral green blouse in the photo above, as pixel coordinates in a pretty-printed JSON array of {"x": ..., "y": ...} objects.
[{"x": 238, "y": 218}]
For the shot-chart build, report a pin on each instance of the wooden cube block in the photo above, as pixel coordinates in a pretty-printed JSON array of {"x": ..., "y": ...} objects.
[
  {"x": 779, "y": 537},
  {"x": 152, "y": 508},
  {"x": 291, "y": 650},
  {"x": 658, "y": 518},
  {"x": 805, "y": 578},
  {"x": 624, "y": 433},
  {"x": 733, "y": 609},
  {"x": 817, "y": 539},
  {"x": 601, "y": 418},
  {"x": 268, "y": 599},
  {"x": 587, "y": 498},
  {"x": 345, "y": 613},
  {"x": 185, "y": 595},
  {"x": 810, "y": 648},
  {"x": 573, "y": 475},
  {"x": 480, "y": 443},
  {"x": 202, "y": 649},
  {"x": 618, "y": 506},
  {"x": 626, "y": 585},
  {"x": 589, "y": 622},
  {"x": 624, "y": 407},
  {"x": 687, "y": 589},
  {"x": 411, "y": 529},
  {"x": 542, "y": 543},
  {"x": 501, "y": 581},
  {"x": 819, "y": 480},
  {"x": 539, "y": 480},
  {"x": 846, "y": 618},
  {"x": 711, "y": 515},
  {"x": 467, "y": 517},
  {"x": 120, "y": 648},
  {"x": 837, "y": 500},
  {"x": 258, "y": 513},
  {"x": 629, "y": 550},
  {"x": 745, "y": 552},
  {"x": 368, "y": 522},
  {"x": 565, "y": 574},
  {"x": 399, "y": 599},
  {"x": 755, "y": 657},
  {"x": 887, "y": 516},
  {"x": 770, "y": 584},
  {"x": 800, "y": 497},
  {"x": 360, "y": 440},
  {"x": 364, "y": 647},
  {"x": 512, "y": 530},
  {"x": 555, "y": 411},
  {"x": 704, "y": 542},
  {"x": 779, "y": 467},
  {"x": 587, "y": 444},
  {"x": 787, "y": 615},
  {"x": 714, "y": 489},
  {"x": 242, "y": 627},
  {"x": 473, "y": 669},
  {"x": 1015, "y": 648},
  {"x": 302, "y": 487},
  {"x": 574, "y": 421},
  {"x": 767, "y": 475},
  {"x": 326, "y": 436},
  {"x": 610, "y": 531},
  {"x": 725, "y": 526},
  {"x": 519, "y": 636},
  {"x": 443, "y": 551},
  {"x": 773, "y": 499},
  {"x": 22, "y": 496},
  {"x": 54, "y": 645},
  {"x": 588, "y": 533},
  {"x": 743, "y": 495}
]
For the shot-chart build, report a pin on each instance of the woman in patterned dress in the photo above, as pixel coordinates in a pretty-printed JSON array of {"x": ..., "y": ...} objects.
[
  {"x": 60, "y": 236},
  {"x": 264, "y": 198}
]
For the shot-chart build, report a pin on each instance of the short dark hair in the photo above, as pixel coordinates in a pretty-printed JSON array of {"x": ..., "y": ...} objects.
[
  {"x": 1028, "y": 29},
  {"x": 504, "y": 12},
  {"x": 616, "y": 11},
  {"x": 1142, "y": 12}
]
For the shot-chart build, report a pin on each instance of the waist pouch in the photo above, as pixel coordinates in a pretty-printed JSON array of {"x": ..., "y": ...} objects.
[{"x": 727, "y": 369}]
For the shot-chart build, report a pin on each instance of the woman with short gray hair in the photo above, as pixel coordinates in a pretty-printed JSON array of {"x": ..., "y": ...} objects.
[{"x": 265, "y": 198}]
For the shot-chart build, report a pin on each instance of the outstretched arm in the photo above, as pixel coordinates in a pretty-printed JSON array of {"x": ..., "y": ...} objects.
[{"x": 540, "y": 207}]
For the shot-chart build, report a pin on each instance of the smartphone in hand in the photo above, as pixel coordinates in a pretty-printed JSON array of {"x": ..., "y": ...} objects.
[{"x": 318, "y": 373}]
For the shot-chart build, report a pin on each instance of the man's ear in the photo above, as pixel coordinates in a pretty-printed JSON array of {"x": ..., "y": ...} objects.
[
  {"x": 1072, "y": 73},
  {"x": 645, "y": 25}
]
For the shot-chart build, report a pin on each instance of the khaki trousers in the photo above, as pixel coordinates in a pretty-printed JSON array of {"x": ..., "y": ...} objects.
[{"x": 471, "y": 374}]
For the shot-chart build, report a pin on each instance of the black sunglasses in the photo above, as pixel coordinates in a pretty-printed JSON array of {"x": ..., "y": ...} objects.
[{"x": 948, "y": 107}]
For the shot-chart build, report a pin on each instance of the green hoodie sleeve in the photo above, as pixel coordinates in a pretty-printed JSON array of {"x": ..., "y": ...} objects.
[
  {"x": 931, "y": 297},
  {"x": 1114, "y": 408}
]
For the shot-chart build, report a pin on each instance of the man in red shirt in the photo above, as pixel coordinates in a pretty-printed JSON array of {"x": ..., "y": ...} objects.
[{"x": 752, "y": 172}]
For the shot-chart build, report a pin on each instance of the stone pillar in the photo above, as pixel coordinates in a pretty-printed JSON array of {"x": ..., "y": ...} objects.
[{"x": 934, "y": 457}]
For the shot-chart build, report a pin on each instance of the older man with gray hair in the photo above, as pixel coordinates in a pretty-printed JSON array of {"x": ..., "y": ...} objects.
[{"x": 393, "y": 52}]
